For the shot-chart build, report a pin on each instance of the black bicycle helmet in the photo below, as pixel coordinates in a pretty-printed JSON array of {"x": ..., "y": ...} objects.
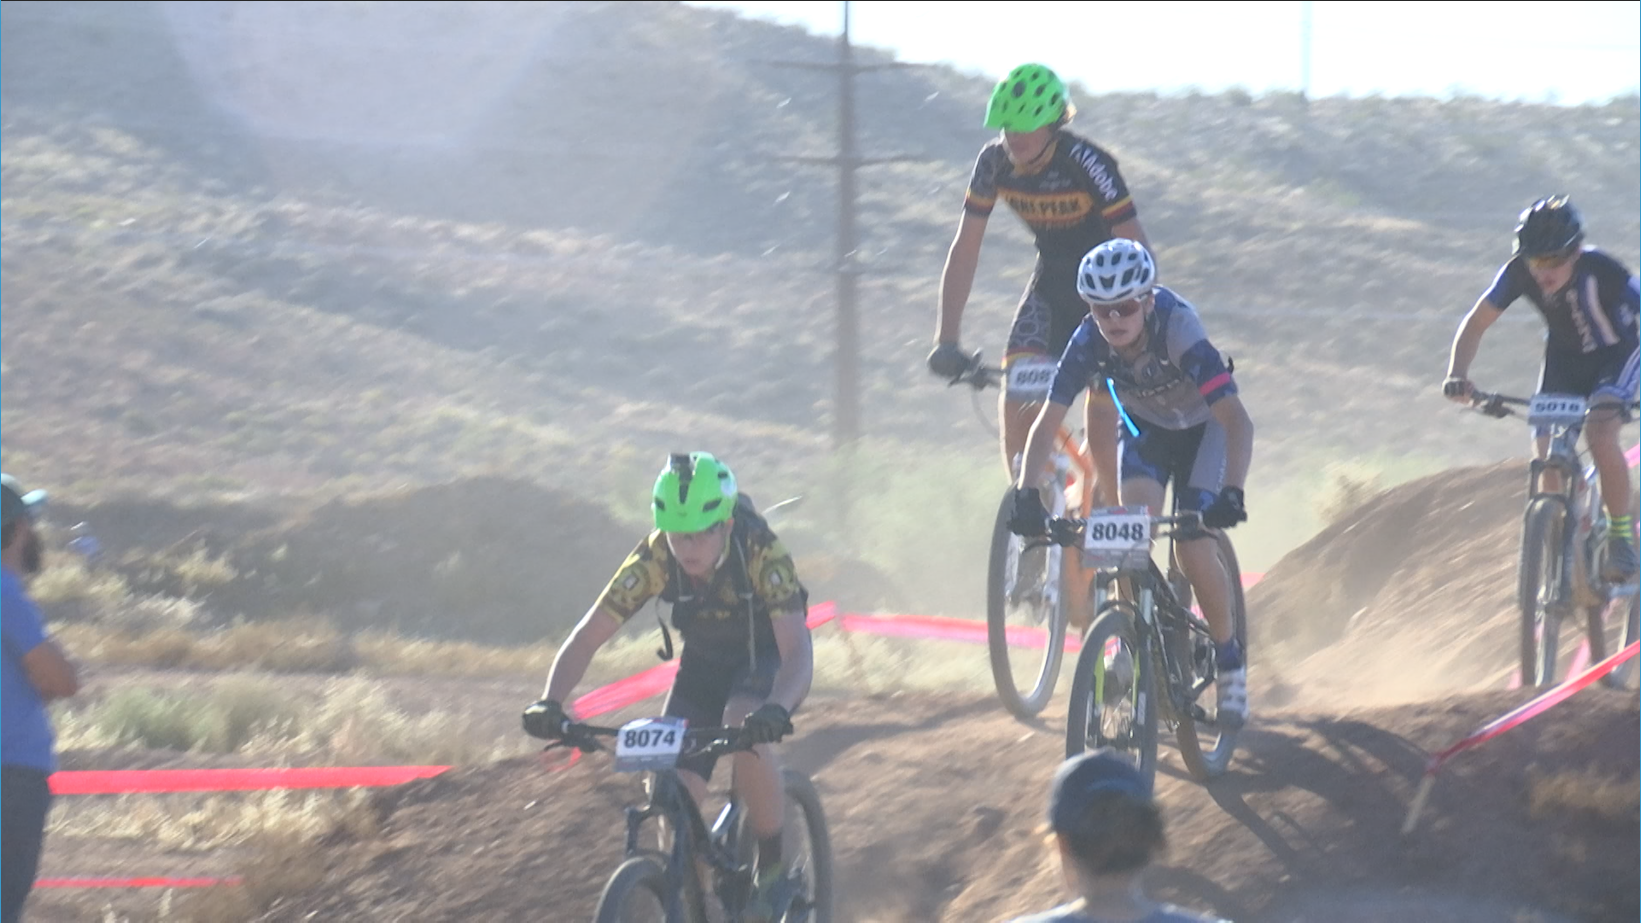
[{"x": 1550, "y": 225}]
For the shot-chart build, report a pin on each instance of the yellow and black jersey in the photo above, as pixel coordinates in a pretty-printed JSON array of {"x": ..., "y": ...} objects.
[
  {"x": 1070, "y": 203},
  {"x": 755, "y": 563}
]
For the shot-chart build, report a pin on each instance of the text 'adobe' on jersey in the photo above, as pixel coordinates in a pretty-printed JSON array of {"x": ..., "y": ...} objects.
[{"x": 1070, "y": 204}]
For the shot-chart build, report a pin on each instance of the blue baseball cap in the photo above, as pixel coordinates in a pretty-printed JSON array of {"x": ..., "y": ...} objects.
[
  {"x": 1081, "y": 778},
  {"x": 15, "y": 503}
]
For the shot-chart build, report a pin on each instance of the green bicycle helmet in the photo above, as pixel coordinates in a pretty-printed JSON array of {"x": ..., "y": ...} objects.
[
  {"x": 694, "y": 492},
  {"x": 1030, "y": 97}
]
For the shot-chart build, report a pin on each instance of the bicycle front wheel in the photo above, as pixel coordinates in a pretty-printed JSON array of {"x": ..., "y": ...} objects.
[
  {"x": 636, "y": 893},
  {"x": 1206, "y": 748},
  {"x": 1023, "y": 596},
  {"x": 1616, "y": 625},
  {"x": 1112, "y": 692},
  {"x": 808, "y": 853},
  {"x": 1539, "y": 588}
]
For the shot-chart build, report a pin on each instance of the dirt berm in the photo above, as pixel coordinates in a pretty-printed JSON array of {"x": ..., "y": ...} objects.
[
  {"x": 935, "y": 805},
  {"x": 1407, "y": 598}
]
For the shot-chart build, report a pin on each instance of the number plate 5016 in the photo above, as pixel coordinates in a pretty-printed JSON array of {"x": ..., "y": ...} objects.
[{"x": 1555, "y": 409}]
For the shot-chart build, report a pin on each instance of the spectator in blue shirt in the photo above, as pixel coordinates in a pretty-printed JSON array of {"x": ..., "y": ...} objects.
[{"x": 35, "y": 672}]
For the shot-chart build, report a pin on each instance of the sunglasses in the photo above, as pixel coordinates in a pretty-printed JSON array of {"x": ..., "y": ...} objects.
[
  {"x": 1127, "y": 308},
  {"x": 1550, "y": 261}
]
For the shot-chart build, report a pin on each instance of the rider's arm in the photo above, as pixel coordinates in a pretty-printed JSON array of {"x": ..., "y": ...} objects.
[
  {"x": 1239, "y": 438},
  {"x": 957, "y": 278},
  {"x": 1468, "y": 338},
  {"x": 1040, "y": 444},
  {"x": 1100, "y": 414},
  {"x": 797, "y": 670},
  {"x": 1131, "y": 229},
  {"x": 596, "y": 627}
]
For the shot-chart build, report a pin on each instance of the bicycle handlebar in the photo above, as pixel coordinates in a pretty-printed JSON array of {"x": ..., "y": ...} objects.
[
  {"x": 709, "y": 741},
  {"x": 1068, "y": 531},
  {"x": 1493, "y": 404},
  {"x": 978, "y": 375}
]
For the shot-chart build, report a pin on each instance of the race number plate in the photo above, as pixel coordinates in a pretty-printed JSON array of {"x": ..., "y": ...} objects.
[
  {"x": 1029, "y": 379},
  {"x": 1118, "y": 536},
  {"x": 1555, "y": 410},
  {"x": 649, "y": 744}
]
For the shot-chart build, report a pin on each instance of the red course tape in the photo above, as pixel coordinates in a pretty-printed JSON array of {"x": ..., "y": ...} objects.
[{"x": 126, "y": 781}]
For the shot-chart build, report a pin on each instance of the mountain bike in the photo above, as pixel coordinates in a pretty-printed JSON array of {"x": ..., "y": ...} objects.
[
  {"x": 1564, "y": 541},
  {"x": 1027, "y": 588},
  {"x": 666, "y": 885},
  {"x": 1145, "y": 640}
]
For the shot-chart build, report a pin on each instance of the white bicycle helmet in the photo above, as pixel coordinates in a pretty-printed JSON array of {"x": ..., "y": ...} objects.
[{"x": 1116, "y": 270}]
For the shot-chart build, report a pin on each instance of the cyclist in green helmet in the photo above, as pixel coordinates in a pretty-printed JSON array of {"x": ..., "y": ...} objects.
[
  {"x": 1069, "y": 193},
  {"x": 741, "y": 613}
]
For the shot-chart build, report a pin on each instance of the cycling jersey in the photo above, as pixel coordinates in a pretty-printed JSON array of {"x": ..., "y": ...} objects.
[
  {"x": 755, "y": 579},
  {"x": 1176, "y": 379},
  {"x": 1070, "y": 205},
  {"x": 1597, "y": 310},
  {"x": 1073, "y": 913}
]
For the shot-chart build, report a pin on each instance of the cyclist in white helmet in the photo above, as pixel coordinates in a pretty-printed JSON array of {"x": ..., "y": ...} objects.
[{"x": 1185, "y": 423}]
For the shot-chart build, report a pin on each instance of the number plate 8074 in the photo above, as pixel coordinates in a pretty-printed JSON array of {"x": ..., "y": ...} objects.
[{"x": 649, "y": 744}]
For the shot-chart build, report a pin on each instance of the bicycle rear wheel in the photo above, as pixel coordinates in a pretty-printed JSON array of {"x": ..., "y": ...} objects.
[
  {"x": 636, "y": 893},
  {"x": 1023, "y": 593},
  {"x": 1539, "y": 589},
  {"x": 1112, "y": 692},
  {"x": 1207, "y": 747}
]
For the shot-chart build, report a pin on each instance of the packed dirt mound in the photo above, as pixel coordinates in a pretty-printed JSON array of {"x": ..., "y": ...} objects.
[
  {"x": 1407, "y": 597},
  {"x": 935, "y": 807},
  {"x": 489, "y": 559}
]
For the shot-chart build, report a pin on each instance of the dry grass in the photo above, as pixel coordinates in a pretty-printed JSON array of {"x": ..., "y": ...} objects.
[
  {"x": 1609, "y": 798},
  {"x": 296, "y": 645}
]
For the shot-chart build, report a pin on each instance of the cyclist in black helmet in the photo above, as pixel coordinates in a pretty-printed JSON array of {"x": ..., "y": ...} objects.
[{"x": 1590, "y": 304}]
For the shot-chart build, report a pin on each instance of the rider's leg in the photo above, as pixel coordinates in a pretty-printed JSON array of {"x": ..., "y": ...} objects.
[
  {"x": 1017, "y": 417},
  {"x": 1601, "y": 435},
  {"x": 758, "y": 785}
]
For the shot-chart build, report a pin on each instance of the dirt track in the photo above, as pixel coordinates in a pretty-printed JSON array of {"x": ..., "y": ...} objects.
[
  {"x": 935, "y": 806},
  {"x": 935, "y": 801}
]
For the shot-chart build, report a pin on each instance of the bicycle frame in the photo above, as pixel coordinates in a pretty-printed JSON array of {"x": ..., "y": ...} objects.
[
  {"x": 1160, "y": 617},
  {"x": 1583, "y": 512}
]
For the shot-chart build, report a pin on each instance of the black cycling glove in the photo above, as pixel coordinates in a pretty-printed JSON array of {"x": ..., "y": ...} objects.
[
  {"x": 768, "y": 724},
  {"x": 1226, "y": 510},
  {"x": 545, "y": 719},
  {"x": 949, "y": 361},
  {"x": 1028, "y": 517}
]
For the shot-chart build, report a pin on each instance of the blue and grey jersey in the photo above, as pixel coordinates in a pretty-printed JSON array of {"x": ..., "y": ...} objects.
[
  {"x": 1597, "y": 310},
  {"x": 1172, "y": 384}
]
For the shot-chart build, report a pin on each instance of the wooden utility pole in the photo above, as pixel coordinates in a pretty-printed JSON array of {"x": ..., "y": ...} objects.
[{"x": 846, "y": 270}]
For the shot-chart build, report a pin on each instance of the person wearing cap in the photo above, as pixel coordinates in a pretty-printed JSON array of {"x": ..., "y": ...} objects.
[
  {"x": 1107, "y": 829},
  {"x": 35, "y": 672}
]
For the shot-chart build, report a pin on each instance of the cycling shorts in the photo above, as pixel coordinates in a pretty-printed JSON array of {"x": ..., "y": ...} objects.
[
  {"x": 1612, "y": 371},
  {"x": 1193, "y": 459},
  {"x": 1049, "y": 313},
  {"x": 704, "y": 686}
]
